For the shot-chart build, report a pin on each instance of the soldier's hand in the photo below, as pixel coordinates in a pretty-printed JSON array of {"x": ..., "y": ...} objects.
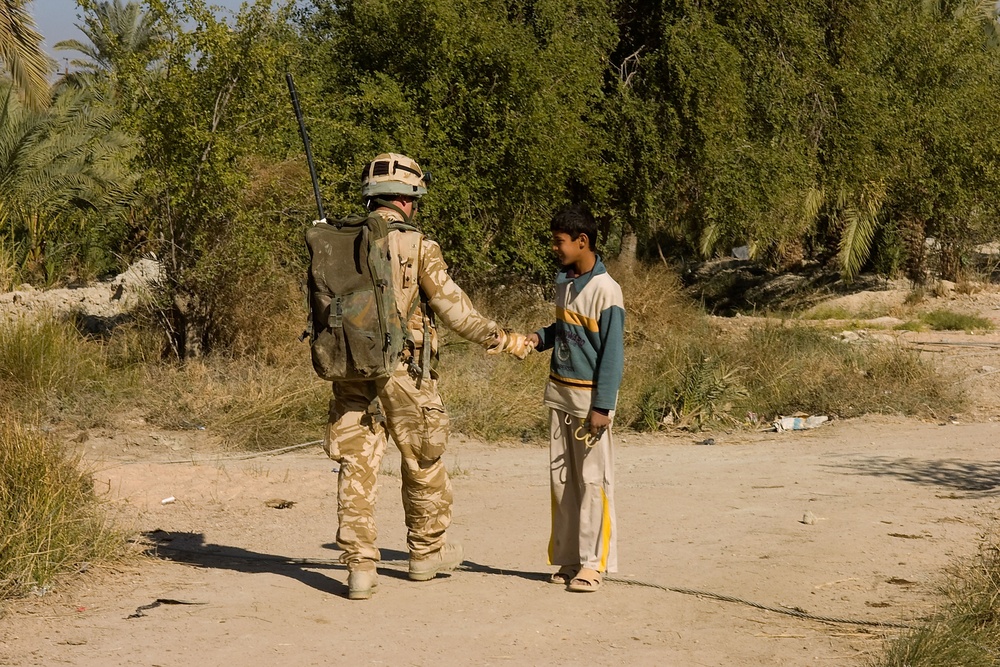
[{"x": 510, "y": 342}]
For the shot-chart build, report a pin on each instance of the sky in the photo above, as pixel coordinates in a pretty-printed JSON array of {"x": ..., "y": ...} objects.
[{"x": 56, "y": 20}]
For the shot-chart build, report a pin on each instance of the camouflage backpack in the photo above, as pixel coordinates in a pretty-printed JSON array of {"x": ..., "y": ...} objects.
[{"x": 357, "y": 333}]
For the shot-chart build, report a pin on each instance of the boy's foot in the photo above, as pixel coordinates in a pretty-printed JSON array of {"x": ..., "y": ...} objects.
[
  {"x": 362, "y": 580},
  {"x": 447, "y": 557},
  {"x": 585, "y": 581},
  {"x": 564, "y": 575}
]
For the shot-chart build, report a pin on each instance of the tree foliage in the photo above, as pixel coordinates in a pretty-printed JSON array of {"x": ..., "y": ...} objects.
[
  {"x": 845, "y": 132},
  {"x": 499, "y": 100},
  {"x": 210, "y": 117},
  {"x": 56, "y": 165}
]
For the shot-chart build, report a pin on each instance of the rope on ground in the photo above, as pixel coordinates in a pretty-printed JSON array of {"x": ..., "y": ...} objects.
[
  {"x": 954, "y": 343},
  {"x": 233, "y": 457},
  {"x": 398, "y": 564}
]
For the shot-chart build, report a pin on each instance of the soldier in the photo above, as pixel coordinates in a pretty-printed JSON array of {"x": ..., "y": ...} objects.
[{"x": 407, "y": 404}]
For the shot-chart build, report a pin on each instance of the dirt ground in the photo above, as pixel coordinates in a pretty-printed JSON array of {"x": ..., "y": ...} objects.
[{"x": 855, "y": 520}]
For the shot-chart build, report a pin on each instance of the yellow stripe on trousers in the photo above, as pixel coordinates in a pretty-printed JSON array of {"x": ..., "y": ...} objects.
[
  {"x": 552, "y": 533},
  {"x": 605, "y": 532}
]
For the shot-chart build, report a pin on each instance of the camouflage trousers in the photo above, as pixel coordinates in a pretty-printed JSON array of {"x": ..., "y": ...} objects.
[{"x": 361, "y": 414}]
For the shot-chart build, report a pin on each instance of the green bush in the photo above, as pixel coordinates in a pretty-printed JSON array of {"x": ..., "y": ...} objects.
[{"x": 946, "y": 320}]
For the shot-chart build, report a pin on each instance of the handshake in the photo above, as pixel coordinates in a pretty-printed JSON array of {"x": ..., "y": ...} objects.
[{"x": 512, "y": 343}]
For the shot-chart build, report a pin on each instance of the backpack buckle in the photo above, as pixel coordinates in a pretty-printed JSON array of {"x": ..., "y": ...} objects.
[{"x": 336, "y": 319}]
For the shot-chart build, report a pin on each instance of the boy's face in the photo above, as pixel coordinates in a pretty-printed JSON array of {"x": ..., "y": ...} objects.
[{"x": 567, "y": 250}]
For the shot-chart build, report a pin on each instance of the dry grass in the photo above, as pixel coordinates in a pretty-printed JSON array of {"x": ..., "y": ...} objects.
[
  {"x": 47, "y": 367},
  {"x": 249, "y": 403},
  {"x": 683, "y": 371},
  {"x": 50, "y": 519},
  {"x": 965, "y": 632}
]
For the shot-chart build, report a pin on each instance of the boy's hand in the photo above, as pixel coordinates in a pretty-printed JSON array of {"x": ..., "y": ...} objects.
[
  {"x": 534, "y": 341},
  {"x": 598, "y": 423}
]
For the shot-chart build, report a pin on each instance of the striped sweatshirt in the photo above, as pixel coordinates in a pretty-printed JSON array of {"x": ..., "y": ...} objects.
[{"x": 587, "y": 343}]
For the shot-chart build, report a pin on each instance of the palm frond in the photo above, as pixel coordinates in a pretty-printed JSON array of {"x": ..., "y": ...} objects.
[
  {"x": 709, "y": 238},
  {"x": 21, "y": 52},
  {"x": 67, "y": 156},
  {"x": 812, "y": 204},
  {"x": 861, "y": 221}
]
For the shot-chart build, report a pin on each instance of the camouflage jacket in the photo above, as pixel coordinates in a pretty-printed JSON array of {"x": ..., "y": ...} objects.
[{"x": 419, "y": 266}]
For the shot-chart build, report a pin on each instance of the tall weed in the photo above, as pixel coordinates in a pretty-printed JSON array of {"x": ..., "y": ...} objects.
[
  {"x": 50, "y": 519},
  {"x": 47, "y": 365}
]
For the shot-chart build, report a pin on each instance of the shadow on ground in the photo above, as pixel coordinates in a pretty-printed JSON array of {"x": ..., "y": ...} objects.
[
  {"x": 980, "y": 478},
  {"x": 191, "y": 548}
]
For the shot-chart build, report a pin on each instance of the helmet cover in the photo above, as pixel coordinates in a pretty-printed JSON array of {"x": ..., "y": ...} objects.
[{"x": 392, "y": 174}]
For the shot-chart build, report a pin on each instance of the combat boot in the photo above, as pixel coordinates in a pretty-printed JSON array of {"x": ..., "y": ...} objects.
[
  {"x": 447, "y": 557},
  {"x": 362, "y": 580}
]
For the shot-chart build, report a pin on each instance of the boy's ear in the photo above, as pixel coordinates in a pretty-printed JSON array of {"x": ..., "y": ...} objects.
[{"x": 583, "y": 240}]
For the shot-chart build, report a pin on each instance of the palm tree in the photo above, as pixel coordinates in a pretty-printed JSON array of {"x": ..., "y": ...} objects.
[
  {"x": 21, "y": 52},
  {"x": 56, "y": 161},
  {"x": 124, "y": 42}
]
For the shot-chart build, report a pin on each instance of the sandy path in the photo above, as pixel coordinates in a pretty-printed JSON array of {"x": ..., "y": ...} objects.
[{"x": 896, "y": 501}]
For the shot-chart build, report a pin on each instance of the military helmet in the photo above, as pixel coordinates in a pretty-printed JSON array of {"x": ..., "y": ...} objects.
[{"x": 393, "y": 174}]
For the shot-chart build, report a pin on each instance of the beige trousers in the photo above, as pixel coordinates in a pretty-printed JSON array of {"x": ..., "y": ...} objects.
[
  {"x": 361, "y": 414},
  {"x": 583, "y": 508}
]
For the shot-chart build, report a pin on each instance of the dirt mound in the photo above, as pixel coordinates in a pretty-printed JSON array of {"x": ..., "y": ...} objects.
[{"x": 96, "y": 306}]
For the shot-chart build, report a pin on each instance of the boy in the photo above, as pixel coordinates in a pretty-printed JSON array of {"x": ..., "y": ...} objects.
[{"x": 585, "y": 372}]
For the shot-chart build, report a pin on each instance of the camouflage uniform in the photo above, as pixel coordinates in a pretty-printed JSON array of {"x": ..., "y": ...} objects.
[{"x": 407, "y": 405}]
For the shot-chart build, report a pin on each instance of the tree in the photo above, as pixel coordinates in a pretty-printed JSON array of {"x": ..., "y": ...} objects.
[
  {"x": 212, "y": 124},
  {"x": 55, "y": 164},
  {"x": 500, "y": 100},
  {"x": 124, "y": 42},
  {"x": 21, "y": 52}
]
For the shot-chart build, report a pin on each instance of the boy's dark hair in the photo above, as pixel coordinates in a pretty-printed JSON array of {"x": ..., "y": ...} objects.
[{"x": 575, "y": 219}]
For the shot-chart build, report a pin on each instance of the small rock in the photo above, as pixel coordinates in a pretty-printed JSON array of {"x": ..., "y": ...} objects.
[
  {"x": 808, "y": 518},
  {"x": 849, "y": 336},
  {"x": 944, "y": 288}
]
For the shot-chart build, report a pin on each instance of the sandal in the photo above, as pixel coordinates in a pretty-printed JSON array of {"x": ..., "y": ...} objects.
[
  {"x": 585, "y": 581},
  {"x": 564, "y": 575}
]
